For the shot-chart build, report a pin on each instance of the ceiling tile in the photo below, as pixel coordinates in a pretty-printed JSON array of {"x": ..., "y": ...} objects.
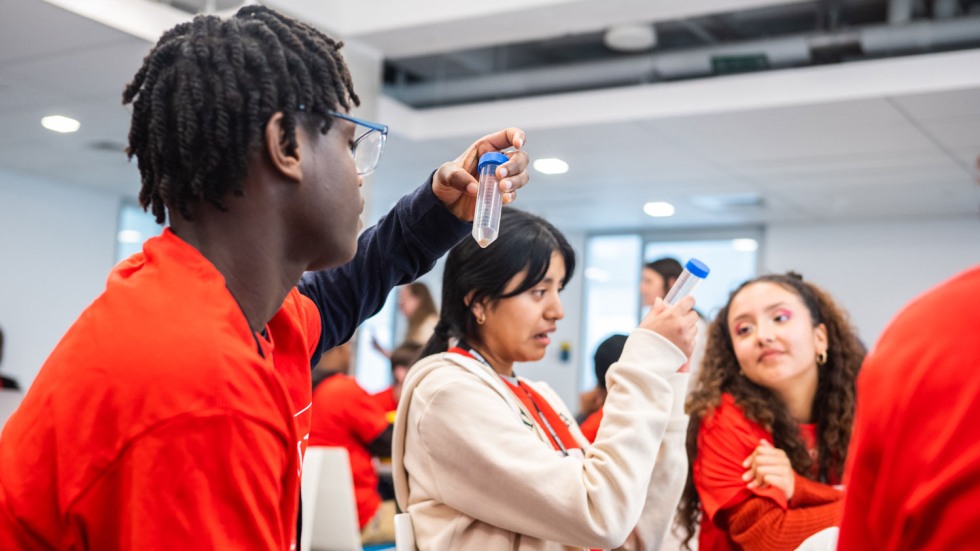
[{"x": 940, "y": 105}]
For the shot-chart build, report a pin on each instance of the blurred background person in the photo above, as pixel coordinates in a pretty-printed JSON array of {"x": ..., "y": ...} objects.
[
  {"x": 606, "y": 353},
  {"x": 771, "y": 415},
  {"x": 416, "y": 305},
  {"x": 402, "y": 359}
]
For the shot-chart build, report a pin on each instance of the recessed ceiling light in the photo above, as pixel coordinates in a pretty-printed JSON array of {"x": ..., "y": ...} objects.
[
  {"x": 658, "y": 209},
  {"x": 630, "y": 38},
  {"x": 61, "y": 124},
  {"x": 550, "y": 166},
  {"x": 745, "y": 245}
]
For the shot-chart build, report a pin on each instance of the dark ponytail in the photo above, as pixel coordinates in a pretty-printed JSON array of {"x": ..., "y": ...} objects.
[{"x": 439, "y": 341}]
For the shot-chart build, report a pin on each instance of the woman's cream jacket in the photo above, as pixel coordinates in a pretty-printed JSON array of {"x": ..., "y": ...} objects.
[{"x": 475, "y": 473}]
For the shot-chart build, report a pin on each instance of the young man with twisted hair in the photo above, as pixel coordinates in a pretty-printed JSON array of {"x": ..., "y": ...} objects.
[{"x": 174, "y": 413}]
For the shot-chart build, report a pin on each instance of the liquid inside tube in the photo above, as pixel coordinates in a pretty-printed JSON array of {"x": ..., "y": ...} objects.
[{"x": 489, "y": 200}]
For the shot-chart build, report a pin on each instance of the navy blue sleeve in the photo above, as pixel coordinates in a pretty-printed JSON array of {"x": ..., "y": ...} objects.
[{"x": 403, "y": 245}]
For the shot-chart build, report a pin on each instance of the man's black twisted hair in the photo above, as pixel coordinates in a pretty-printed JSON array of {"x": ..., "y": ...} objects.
[{"x": 205, "y": 92}]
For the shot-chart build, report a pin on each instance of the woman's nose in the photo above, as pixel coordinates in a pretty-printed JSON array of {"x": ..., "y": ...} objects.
[{"x": 555, "y": 311}]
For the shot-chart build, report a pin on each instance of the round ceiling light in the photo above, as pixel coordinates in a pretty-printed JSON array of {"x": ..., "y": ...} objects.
[
  {"x": 630, "y": 38},
  {"x": 659, "y": 209},
  {"x": 550, "y": 166}
]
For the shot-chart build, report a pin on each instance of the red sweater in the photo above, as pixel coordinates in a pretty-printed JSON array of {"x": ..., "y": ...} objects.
[
  {"x": 913, "y": 478},
  {"x": 345, "y": 415},
  {"x": 737, "y": 517},
  {"x": 161, "y": 421}
]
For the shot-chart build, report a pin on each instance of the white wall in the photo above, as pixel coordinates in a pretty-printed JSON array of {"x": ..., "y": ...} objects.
[
  {"x": 874, "y": 268},
  {"x": 57, "y": 245}
]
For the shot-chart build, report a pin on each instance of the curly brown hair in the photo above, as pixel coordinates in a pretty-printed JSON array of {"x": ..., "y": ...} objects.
[{"x": 833, "y": 404}]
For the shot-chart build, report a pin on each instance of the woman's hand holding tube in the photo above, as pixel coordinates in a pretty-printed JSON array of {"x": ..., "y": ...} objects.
[{"x": 677, "y": 323}]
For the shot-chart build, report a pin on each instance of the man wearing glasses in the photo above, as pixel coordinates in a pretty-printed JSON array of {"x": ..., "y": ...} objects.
[{"x": 175, "y": 411}]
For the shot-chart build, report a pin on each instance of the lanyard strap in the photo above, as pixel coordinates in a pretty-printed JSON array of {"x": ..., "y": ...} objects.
[{"x": 544, "y": 420}]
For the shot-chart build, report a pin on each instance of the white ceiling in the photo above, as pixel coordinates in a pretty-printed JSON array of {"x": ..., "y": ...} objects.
[{"x": 889, "y": 138}]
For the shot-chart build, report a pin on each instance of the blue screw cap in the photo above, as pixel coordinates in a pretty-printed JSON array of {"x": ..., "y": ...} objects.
[
  {"x": 697, "y": 268},
  {"x": 492, "y": 158}
]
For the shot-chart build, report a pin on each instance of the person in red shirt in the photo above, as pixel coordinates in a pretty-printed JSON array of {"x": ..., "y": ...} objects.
[
  {"x": 606, "y": 353},
  {"x": 402, "y": 358},
  {"x": 913, "y": 474},
  {"x": 345, "y": 415},
  {"x": 771, "y": 417},
  {"x": 175, "y": 411}
]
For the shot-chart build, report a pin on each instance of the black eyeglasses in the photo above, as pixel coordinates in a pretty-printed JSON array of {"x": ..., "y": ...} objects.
[{"x": 367, "y": 147}]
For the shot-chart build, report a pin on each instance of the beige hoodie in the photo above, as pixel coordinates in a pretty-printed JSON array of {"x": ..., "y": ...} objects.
[{"x": 476, "y": 474}]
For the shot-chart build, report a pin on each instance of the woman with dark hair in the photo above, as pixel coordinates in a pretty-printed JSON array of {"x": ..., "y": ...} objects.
[
  {"x": 487, "y": 460},
  {"x": 771, "y": 415}
]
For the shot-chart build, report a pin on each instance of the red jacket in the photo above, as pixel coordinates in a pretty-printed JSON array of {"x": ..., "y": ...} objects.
[{"x": 913, "y": 478}]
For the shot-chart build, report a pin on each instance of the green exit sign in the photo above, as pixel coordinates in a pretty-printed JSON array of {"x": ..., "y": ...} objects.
[{"x": 728, "y": 64}]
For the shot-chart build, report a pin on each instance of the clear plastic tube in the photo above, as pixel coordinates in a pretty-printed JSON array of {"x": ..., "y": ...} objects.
[
  {"x": 489, "y": 200},
  {"x": 694, "y": 272}
]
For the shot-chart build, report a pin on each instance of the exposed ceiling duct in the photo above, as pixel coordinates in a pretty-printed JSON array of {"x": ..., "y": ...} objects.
[{"x": 792, "y": 51}]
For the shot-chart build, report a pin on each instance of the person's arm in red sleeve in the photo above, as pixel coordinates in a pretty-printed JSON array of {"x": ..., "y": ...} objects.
[
  {"x": 725, "y": 439},
  {"x": 759, "y": 523},
  {"x": 221, "y": 480}
]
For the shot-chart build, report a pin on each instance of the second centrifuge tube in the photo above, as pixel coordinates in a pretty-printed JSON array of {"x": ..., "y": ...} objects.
[
  {"x": 489, "y": 200},
  {"x": 694, "y": 272}
]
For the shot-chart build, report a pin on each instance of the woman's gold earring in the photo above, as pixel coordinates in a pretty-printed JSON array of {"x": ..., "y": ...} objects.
[{"x": 822, "y": 358}]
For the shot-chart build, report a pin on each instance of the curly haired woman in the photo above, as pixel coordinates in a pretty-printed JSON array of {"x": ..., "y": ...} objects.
[{"x": 771, "y": 417}]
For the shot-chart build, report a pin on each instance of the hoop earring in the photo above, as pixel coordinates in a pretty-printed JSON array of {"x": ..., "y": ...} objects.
[{"x": 822, "y": 358}]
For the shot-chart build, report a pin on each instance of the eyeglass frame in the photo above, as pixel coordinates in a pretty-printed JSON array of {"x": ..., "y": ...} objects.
[{"x": 372, "y": 127}]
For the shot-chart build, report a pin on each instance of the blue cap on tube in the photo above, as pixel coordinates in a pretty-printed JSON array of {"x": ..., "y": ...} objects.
[
  {"x": 697, "y": 268},
  {"x": 491, "y": 158}
]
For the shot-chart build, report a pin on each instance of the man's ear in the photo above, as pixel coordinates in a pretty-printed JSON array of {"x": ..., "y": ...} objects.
[{"x": 288, "y": 164}]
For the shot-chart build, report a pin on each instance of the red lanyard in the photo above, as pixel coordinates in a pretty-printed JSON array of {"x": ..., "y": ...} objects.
[{"x": 544, "y": 420}]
